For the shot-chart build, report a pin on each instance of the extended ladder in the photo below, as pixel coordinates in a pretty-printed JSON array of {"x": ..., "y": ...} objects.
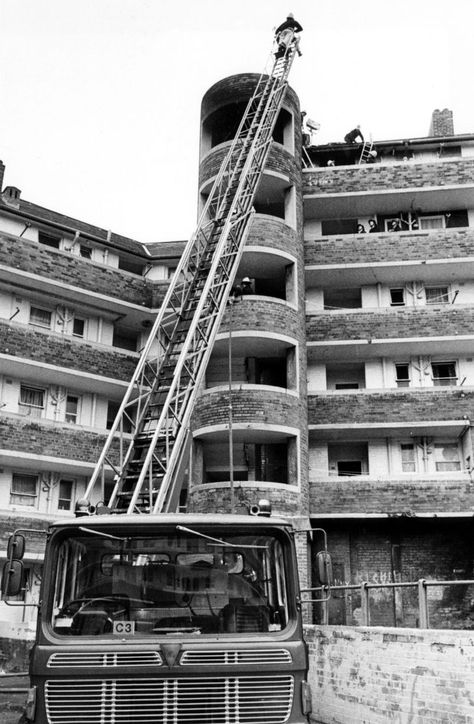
[{"x": 147, "y": 443}]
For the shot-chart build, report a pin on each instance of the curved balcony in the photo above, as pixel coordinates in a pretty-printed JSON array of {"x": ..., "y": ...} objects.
[
  {"x": 361, "y": 334},
  {"x": 390, "y": 413},
  {"x": 22, "y": 343},
  {"x": 270, "y": 232},
  {"x": 281, "y": 168},
  {"x": 255, "y": 407},
  {"x": 334, "y": 191},
  {"x": 395, "y": 496},
  {"x": 256, "y": 313}
]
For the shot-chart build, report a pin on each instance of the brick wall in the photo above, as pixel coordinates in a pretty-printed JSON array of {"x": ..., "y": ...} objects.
[
  {"x": 448, "y": 403},
  {"x": 53, "y": 440},
  {"x": 63, "y": 267},
  {"x": 395, "y": 496},
  {"x": 251, "y": 405},
  {"x": 377, "y": 176},
  {"x": 279, "y": 160},
  {"x": 238, "y": 88},
  {"x": 432, "y": 321},
  {"x": 63, "y": 351},
  {"x": 272, "y": 232},
  {"x": 351, "y": 249},
  {"x": 284, "y": 502},
  {"x": 374, "y": 675},
  {"x": 260, "y": 314}
]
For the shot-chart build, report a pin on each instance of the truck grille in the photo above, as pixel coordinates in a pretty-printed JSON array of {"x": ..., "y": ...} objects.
[
  {"x": 221, "y": 658},
  {"x": 213, "y": 700},
  {"x": 114, "y": 658}
]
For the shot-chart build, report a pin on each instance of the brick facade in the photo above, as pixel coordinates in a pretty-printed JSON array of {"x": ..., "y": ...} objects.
[
  {"x": 373, "y": 248},
  {"x": 408, "y": 495},
  {"x": 60, "y": 350},
  {"x": 448, "y": 403},
  {"x": 375, "y": 177},
  {"x": 430, "y": 321},
  {"x": 381, "y": 675}
]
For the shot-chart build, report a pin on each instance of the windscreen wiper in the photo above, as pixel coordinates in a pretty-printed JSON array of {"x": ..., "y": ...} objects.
[{"x": 216, "y": 541}]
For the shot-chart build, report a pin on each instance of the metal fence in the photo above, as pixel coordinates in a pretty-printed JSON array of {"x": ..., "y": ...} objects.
[{"x": 414, "y": 604}]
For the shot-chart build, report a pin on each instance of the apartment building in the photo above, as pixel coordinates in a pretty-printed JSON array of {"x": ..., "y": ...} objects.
[{"x": 341, "y": 381}]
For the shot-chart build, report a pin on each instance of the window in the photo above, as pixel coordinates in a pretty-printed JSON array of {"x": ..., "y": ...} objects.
[
  {"x": 171, "y": 271},
  {"x": 402, "y": 372},
  {"x": 431, "y": 222},
  {"x": 40, "y": 317},
  {"x": 48, "y": 240},
  {"x": 31, "y": 400},
  {"x": 85, "y": 251},
  {"x": 24, "y": 489},
  {"x": 444, "y": 374},
  {"x": 78, "y": 327},
  {"x": 408, "y": 458},
  {"x": 66, "y": 488},
  {"x": 447, "y": 457},
  {"x": 346, "y": 386},
  {"x": 397, "y": 297},
  {"x": 437, "y": 295},
  {"x": 72, "y": 408}
]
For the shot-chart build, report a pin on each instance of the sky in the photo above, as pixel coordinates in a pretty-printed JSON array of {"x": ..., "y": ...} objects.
[{"x": 100, "y": 99}]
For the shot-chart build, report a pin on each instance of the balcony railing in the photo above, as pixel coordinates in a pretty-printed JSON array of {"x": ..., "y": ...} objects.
[{"x": 403, "y": 604}]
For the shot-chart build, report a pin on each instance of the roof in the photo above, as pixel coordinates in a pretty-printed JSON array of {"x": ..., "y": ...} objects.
[{"x": 166, "y": 249}]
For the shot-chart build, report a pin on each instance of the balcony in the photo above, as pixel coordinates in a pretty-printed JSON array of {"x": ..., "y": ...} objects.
[
  {"x": 22, "y": 344},
  {"x": 255, "y": 407},
  {"x": 390, "y": 413},
  {"x": 388, "y": 258},
  {"x": 395, "y": 496},
  {"x": 361, "y": 334},
  {"x": 50, "y": 446},
  {"x": 22, "y": 255},
  {"x": 333, "y": 192}
]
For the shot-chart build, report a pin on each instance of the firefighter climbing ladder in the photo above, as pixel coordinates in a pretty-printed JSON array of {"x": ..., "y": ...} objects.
[{"x": 146, "y": 446}]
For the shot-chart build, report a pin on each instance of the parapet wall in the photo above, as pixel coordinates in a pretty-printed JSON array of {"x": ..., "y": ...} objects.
[{"x": 375, "y": 675}]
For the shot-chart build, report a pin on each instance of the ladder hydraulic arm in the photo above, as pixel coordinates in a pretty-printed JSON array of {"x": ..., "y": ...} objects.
[{"x": 147, "y": 443}]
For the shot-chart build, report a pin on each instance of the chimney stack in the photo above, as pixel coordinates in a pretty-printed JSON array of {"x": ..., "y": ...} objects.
[
  {"x": 442, "y": 123},
  {"x": 11, "y": 196}
]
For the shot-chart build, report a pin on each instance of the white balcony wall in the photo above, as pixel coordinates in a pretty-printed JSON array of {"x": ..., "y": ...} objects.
[
  {"x": 314, "y": 300},
  {"x": 316, "y": 376}
]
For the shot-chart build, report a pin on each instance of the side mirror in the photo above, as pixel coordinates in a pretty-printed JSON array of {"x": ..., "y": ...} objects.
[
  {"x": 16, "y": 547},
  {"x": 12, "y": 578},
  {"x": 324, "y": 562}
]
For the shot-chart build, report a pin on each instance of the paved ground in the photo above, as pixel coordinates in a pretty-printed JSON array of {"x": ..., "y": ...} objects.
[{"x": 11, "y": 705}]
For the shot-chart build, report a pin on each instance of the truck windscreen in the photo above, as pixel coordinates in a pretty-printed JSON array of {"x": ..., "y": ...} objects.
[{"x": 173, "y": 583}]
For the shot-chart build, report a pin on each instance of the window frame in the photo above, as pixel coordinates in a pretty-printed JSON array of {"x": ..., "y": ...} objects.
[
  {"x": 432, "y": 217},
  {"x": 438, "y": 463},
  {"x": 443, "y": 298},
  {"x": 72, "y": 483},
  {"x": 400, "y": 380},
  {"x": 446, "y": 380},
  {"x": 413, "y": 462},
  {"x": 29, "y": 405},
  {"x": 394, "y": 303},
  {"x": 76, "y": 415},
  {"x": 84, "y": 322},
  {"x": 37, "y": 323},
  {"x": 33, "y": 496}
]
